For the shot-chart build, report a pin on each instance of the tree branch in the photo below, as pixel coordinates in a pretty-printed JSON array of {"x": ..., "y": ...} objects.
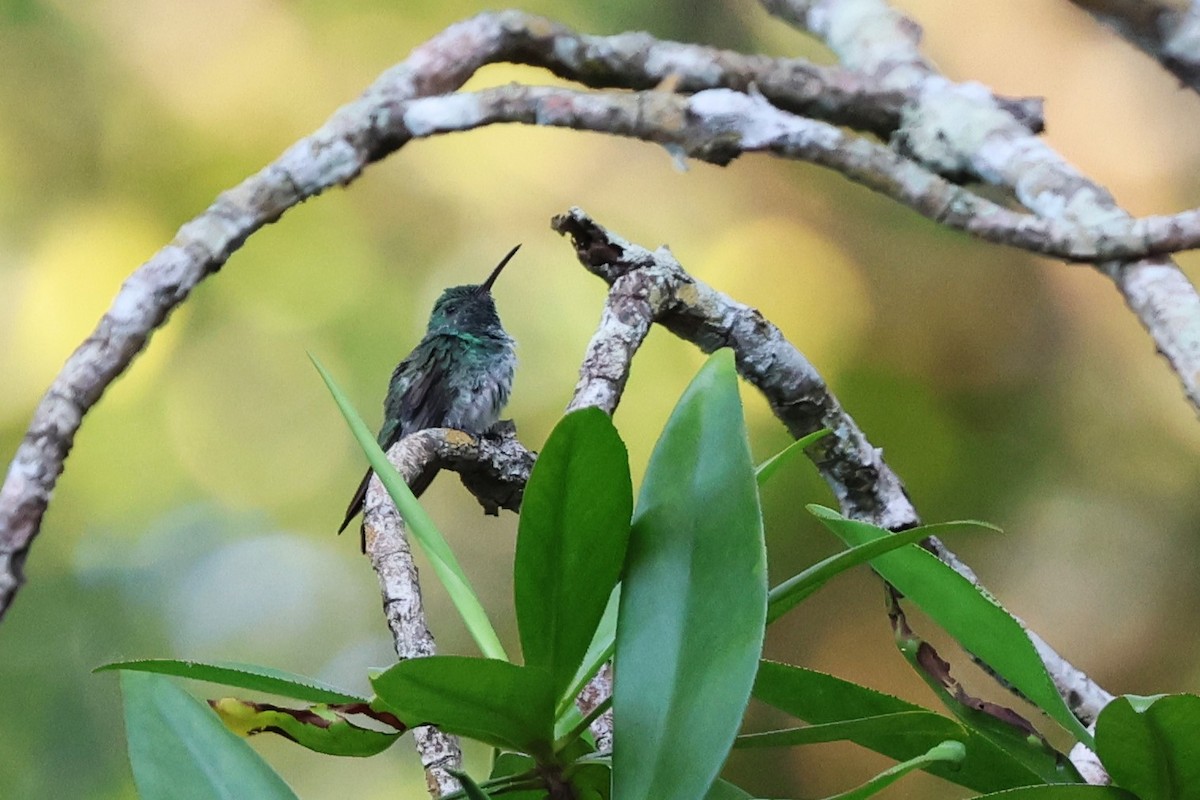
[
  {"x": 1167, "y": 33},
  {"x": 495, "y": 469},
  {"x": 958, "y": 128},
  {"x": 865, "y": 486}
]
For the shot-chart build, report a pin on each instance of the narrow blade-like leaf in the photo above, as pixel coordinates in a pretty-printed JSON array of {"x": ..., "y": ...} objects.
[
  {"x": 1061, "y": 792},
  {"x": 794, "y": 590},
  {"x": 946, "y": 752},
  {"x": 445, "y": 565},
  {"x": 470, "y": 788},
  {"x": 693, "y": 601},
  {"x": 823, "y": 700},
  {"x": 980, "y": 624},
  {"x": 571, "y": 542},
  {"x": 907, "y": 725},
  {"x": 1007, "y": 730},
  {"x": 241, "y": 676},
  {"x": 764, "y": 471}
]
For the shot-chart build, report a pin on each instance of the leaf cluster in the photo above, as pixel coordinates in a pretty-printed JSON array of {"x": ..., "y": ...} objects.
[{"x": 673, "y": 589}]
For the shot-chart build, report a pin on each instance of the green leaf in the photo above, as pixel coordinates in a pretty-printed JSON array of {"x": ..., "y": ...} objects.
[
  {"x": 1151, "y": 745},
  {"x": 1061, "y": 792},
  {"x": 724, "y": 790},
  {"x": 241, "y": 676},
  {"x": 1002, "y": 726},
  {"x": 511, "y": 770},
  {"x": 492, "y": 701},
  {"x": 693, "y": 601},
  {"x": 180, "y": 750},
  {"x": 320, "y": 728},
  {"x": 419, "y": 523},
  {"x": 946, "y": 752},
  {"x": 591, "y": 780},
  {"x": 470, "y": 787},
  {"x": 598, "y": 652},
  {"x": 976, "y": 620},
  {"x": 765, "y": 470},
  {"x": 571, "y": 542},
  {"x": 794, "y": 590},
  {"x": 824, "y": 700},
  {"x": 915, "y": 726}
]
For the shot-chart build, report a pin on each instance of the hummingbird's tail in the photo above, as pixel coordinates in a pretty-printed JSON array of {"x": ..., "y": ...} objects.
[
  {"x": 418, "y": 486},
  {"x": 356, "y": 504}
]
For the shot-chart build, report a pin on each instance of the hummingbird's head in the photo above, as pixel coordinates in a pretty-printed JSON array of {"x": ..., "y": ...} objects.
[{"x": 468, "y": 308}]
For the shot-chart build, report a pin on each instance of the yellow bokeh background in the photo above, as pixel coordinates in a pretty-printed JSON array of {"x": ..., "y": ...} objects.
[{"x": 196, "y": 514}]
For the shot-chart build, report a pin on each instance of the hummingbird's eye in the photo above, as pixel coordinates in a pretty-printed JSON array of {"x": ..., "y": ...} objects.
[{"x": 451, "y": 308}]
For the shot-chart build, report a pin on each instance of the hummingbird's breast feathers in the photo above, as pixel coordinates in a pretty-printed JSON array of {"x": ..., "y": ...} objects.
[{"x": 452, "y": 379}]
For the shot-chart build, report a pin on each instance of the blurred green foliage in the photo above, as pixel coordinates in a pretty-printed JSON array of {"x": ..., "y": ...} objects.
[{"x": 196, "y": 513}]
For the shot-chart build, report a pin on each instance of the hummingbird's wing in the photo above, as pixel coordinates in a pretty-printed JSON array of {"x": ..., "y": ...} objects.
[
  {"x": 417, "y": 398},
  {"x": 419, "y": 395}
]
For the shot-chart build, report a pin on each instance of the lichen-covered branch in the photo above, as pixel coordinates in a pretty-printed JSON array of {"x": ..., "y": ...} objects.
[
  {"x": 957, "y": 128},
  {"x": 624, "y": 323},
  {"x": 495, "y": 468},
  {"x": 717, "y": 125},
  {"x": 637, "y": 60},
  {"x": 1166, "y": 32},
  {"x": 864, "y": 484}
]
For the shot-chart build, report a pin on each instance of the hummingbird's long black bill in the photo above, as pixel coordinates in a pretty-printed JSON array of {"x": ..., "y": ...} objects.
[{"x": 486, "y": 286}]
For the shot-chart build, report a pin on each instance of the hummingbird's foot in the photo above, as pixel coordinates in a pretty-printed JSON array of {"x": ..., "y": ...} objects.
[{"x": 502, "y": 429}]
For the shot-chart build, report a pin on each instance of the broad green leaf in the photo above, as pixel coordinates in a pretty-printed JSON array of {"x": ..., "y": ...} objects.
[
  {"x": 794, "y": 590},
  {"x": 693, "y": 601},
  {"x": 980, "y": 624},
  {"x": 1061, "y": 792},
  {"x": 591, "y": 781},
  {"x": 571, "y": 542},
  {"x": 946, "y": 752},
  {"x": 1151, "y": 745},
  {"x": 180, "y": 750},
  {"x": 765, "y": 470},
  {"x": 598, "y": 652},
  {"x": 513, "y": 769},
  {"x": 241, "y": 676},
  {"x": 823, "y": 700},
  {"x": 320, "y": 728},
  {"x": 492, "y": 701},
  {"x": 1002, "y": 726},
  {"x": 918, "y": 727},
  {"x": 419, "y": 523}
]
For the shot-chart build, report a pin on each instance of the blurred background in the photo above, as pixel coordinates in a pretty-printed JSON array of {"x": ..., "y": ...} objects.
[{"x": 197, "y": 512}]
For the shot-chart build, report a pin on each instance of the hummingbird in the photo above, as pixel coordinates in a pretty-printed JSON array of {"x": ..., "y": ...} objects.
[{"x": 458, "y": 376}]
